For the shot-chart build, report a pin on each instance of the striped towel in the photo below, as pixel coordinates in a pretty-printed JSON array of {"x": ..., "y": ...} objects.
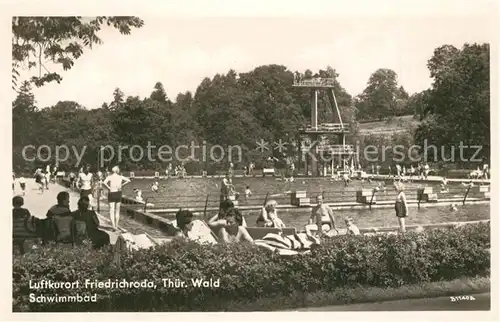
[{"x": 287, "y": 245}]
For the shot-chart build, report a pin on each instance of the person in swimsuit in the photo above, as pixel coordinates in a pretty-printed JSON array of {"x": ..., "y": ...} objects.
[
  {"x": 233, "y": 231},
  {"x": 219, "y": 220},
  {"x": 184, "y": 220},
  {"x": 85, "y": 183},
  {"x": 138, "y": 195},
  {"x": 444, "y": 185},
  {"x": 352, "y": 229},
  {"x": 72, "y": 180},
  {"x": 22, "y": 183},
  {"x": 248, "y": 192},
  {"x": 269, "y": 216},
  {"x": 114, "y": 184},
  {"x": 346, "y": 179},
  {"x": 39, "y": 179},
  {"x": 401, "y": 206},
  {"x": 426, "y": 171},
  {"x": 321, "y": 217},
  {"x": 225, "y": 188}
]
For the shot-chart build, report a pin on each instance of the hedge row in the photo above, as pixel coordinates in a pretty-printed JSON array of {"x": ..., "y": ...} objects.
[{"x": 247, "y": 273}]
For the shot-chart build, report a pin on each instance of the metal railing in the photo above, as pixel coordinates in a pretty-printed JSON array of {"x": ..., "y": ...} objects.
[
  {"x": 340, "y": 128},
  {"x": 315, "y": 82}
]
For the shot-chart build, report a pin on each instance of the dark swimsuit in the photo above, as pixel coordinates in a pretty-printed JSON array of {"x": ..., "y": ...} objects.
[
  {"x": 400, "y": 209},
  {"x": 115, "y": 196}
]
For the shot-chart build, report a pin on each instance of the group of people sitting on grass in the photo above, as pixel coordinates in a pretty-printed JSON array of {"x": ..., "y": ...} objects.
[{"x": 61, "y": 225}]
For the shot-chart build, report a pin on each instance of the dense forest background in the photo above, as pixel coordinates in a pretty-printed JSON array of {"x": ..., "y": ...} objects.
[{"x": 242, "y": 108}]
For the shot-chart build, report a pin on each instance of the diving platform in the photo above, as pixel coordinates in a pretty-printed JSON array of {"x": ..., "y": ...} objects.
[
  {"x": 326, "y": 128},
  {"x": 315, "y": 83},
  {"x": 337, "y": 149},
  {"x": 333, "y": 149}
]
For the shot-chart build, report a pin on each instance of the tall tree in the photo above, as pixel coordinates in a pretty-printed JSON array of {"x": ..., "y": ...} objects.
[
  {"x": 118, "y": 99},
  {"x": 159, "y": 93},
  {"x": 380, "y": 98},
  {"x": 23, "y": 109},
  {"x": 60, "y": 40},
  {"x": 458, "y": 104}
]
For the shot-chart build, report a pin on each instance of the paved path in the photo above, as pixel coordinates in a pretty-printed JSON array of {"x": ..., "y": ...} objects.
[
  {"x": 482, "y": 302},
  {"x": 39, "y": 203}
]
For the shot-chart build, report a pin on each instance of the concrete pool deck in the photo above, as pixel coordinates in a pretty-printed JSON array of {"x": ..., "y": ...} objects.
[
  {"x": 38, "y": 204},
  {"x": 430, "y": 179}
]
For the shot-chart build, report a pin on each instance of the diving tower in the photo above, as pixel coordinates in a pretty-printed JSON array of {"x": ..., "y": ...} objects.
[{"x": 328, "y": 139}]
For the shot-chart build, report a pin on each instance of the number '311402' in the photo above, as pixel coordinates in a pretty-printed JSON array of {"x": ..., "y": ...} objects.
[{"x": 462, "y": 298}]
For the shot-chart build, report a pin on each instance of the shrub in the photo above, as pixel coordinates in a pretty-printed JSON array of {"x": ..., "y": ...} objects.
[{"x": 248, "y": 273}]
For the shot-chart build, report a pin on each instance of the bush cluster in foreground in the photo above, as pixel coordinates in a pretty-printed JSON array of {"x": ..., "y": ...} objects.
[{"x": 248, "y": 273}]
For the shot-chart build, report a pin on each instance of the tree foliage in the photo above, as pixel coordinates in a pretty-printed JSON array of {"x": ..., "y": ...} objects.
[
  {"x": 228, "y": 109},
  {"x": 240, "y": 109},
  {"x": 457, "y": 107},
  {"x": 60, "y": 40},
  {"x": 382, "y": 97}
]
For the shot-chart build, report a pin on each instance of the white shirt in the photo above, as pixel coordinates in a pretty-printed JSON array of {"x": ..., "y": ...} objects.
[
  {"x": 115, "y": 182},
  {"x": 86, "y": 180}
]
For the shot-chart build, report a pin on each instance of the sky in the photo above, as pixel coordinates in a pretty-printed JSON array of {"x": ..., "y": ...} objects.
[{"x": 179, "y": 51}]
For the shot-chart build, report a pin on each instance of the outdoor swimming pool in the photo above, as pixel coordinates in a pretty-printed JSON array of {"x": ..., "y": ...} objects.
[
  {"x": 175, "y": 187},
  {"x": 377, "y": 217}
]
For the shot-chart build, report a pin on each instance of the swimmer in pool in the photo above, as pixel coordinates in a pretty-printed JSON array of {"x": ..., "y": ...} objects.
[
  {"x": 138, "y": 195},
  {"x": 155, "y": 187}
]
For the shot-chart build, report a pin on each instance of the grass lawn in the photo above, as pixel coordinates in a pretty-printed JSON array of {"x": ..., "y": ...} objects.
[{"x": 398, "y": 124}]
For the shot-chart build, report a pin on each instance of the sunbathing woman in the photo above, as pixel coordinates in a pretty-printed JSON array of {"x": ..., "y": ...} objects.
[
  {"x": 269, "y": 216},
  {"x": 233, "y": 231}
]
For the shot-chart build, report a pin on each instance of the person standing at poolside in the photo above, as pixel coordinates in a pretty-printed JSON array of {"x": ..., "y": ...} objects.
[
  {"x": 426, "y": 170},
  {"x": 39, "y": 179},
  {"x": 85, "y": 183},
  {"x": 225, "y": 187},
  {"x": 22, "y": 184},
  {"x": 400, "y": 205},
  {"x": 114, "y": 184}
]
